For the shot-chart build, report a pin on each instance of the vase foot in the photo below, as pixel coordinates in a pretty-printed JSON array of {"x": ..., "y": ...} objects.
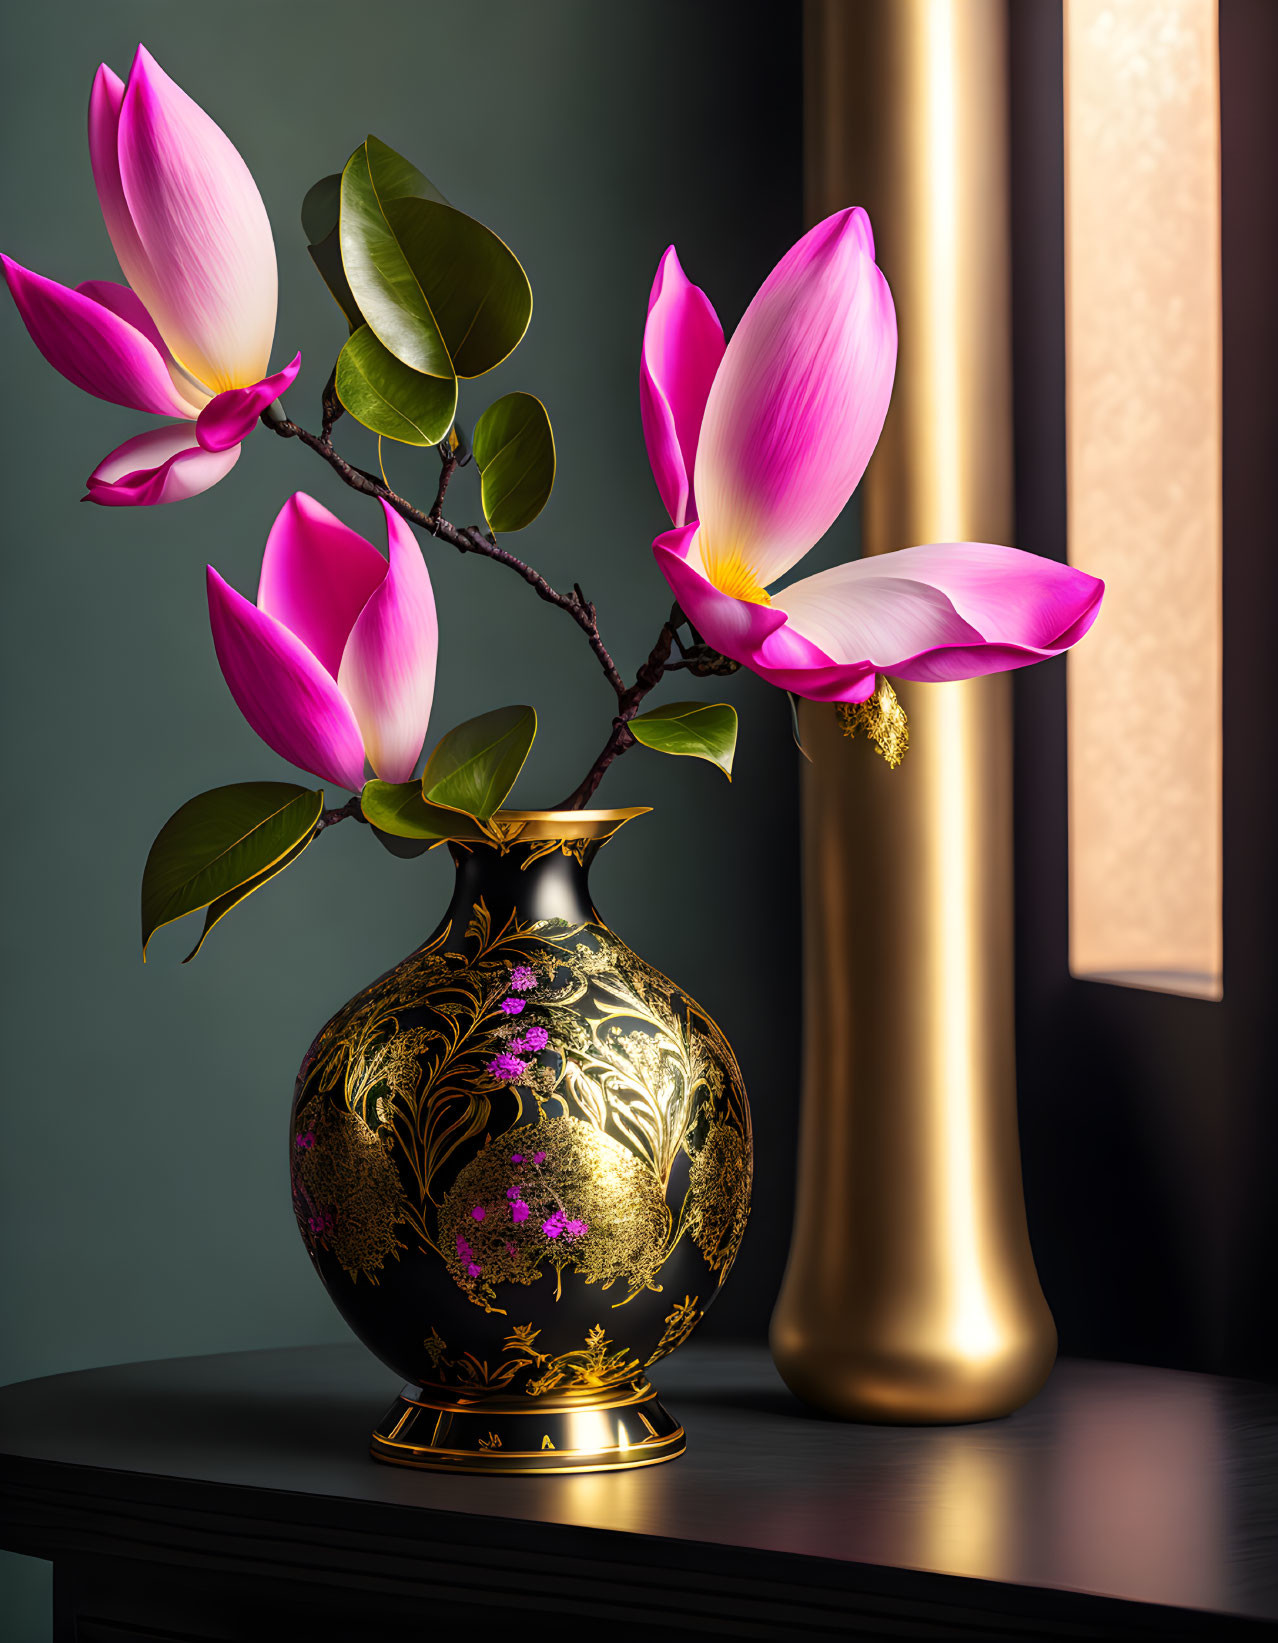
[{"x": 623, "y": 1428}]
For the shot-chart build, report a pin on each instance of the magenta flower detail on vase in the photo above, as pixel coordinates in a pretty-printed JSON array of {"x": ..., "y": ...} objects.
[
  {"x": 576, "y": 1229},
  {"x": 477, "y": 1214},
  {"x": 335, "y": 664},
  {"x": 512, "y": 1006},
  {"x": 531, "y": 1042},
  {"x": 519, "y": 1211},
  {"x": 555, "y": 1225},
  {"x": 522, "y": 979},
  {"x": 189, "y": 336},
  {"x": 506, "y": 1068},
  {"x": 768, "y": 445}
]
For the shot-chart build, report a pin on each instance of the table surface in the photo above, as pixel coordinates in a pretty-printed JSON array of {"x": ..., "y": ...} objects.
[{"x": 1117, "y": 1482}]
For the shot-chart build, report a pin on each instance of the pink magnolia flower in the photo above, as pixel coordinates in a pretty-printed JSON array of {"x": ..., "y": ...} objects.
[
  {"x": 336, "y": 661},
  {"x": 190, "y": 335},
  {"x": 756, "y": 449}
]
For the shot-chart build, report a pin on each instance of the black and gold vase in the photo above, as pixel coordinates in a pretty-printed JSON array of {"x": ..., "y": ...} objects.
[{"x": 521, "y": 1164}]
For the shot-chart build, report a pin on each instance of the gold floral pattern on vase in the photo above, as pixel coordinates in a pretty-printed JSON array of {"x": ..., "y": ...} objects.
[{"x": 523, "y": 1119}]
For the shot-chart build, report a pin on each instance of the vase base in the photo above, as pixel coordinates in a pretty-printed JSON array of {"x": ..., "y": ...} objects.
[{"x": 625, "y": 1427}]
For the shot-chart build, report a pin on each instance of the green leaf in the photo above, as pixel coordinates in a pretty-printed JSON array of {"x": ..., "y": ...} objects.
[
  {"x": 399, "y": 808},
  {"x": 217, "y": 910},
  {"x": 321, "y": 207},
  {"x": 385, "y": 287},
  {"x": 221, "y": 842},
  {"x": 700, "y": 730},
  {"x": 320, "y": 211},
  {"x": 327, "y": 257},
  {"x": 396, "y": 178},
  {"x": 386, "y": 396},
  {"x": 515, "y": 451},
  {"x": 478, "y": 293},
  {"x": 475, "y": 766}
]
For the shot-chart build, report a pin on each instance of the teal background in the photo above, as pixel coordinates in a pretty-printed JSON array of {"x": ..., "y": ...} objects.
[{"x": 145, "y": 1208}]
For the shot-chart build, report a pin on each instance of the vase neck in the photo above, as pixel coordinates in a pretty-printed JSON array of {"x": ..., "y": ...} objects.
[{"x": 545, "y": 879}]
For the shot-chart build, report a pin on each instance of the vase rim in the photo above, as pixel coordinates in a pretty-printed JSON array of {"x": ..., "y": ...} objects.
[{"x": 511, "y": 826}]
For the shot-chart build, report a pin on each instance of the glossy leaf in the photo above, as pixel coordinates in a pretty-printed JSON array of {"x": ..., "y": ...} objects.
[
  {"x": 327, "y": 257},
  {"x": 320, "y": 211},
  {"x": 404, "y": 849},
  {"x": 217, "y": 910},
  {"x": 398, "y": 808},
  {"x": 385, "y": 395},
  {"x": 387, "y": 290},
  {"x": 220, "y": 842},
  {"x": 699, "y": 730},
  {"x": 515, "y": 452},
  {"x": 477, "y": 291},
  {"x": 396, "y": 178},
  {"x": 475, "y": 766}
]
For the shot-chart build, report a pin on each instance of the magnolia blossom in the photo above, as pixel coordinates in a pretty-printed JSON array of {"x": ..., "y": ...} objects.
[
  {"x": 335, "y": 663},
  {"x": 756, "y": 449},
  {"x": 190, "y": 335}
]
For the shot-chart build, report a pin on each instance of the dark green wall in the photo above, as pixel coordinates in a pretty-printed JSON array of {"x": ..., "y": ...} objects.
[{"x": 145, "y": 1204}]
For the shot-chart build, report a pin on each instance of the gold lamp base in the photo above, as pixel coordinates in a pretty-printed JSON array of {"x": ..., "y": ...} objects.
[{"x": 521, "y": 1435}]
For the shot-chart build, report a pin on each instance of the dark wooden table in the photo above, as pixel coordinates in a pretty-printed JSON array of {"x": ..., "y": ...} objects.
[{"x": 232, "y": 1497}]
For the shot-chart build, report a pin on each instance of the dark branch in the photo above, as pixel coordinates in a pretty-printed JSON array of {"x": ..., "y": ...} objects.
[
  {"x": 466, "y": 539},
  {"x": 448, "y": 468},
  {"x": 330, "y": 818},
  {"x": 622, "y": 737}
]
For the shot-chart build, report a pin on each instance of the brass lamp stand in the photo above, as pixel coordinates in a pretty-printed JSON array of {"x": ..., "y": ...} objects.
[{"x": 911, "y": 1293}]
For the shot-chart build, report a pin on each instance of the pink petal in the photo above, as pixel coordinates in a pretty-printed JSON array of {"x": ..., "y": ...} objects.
[
  {"x": 105, "y": 101},
  {"x": 129, "y": 306},
  {"x": 283, "y": 692},
  {"x": 163, "y": 465},
  {"x": 755, "y": 635},
  {"x": 797, "y": 405},
  {"x": 231, "y": 417},
  {"x": 202, "y": 228},
  {"x": 682, "y": 347},
  {"x": 951, "y": 610},
  {"x": 92, "y": 346},
  {"x": 317, "y": 575},
  {"x": 388, "y": 667},
  {"x": 734, "y": 627}
]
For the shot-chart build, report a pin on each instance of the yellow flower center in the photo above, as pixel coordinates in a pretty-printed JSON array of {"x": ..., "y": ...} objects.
[{"x": 732, "y": 575}]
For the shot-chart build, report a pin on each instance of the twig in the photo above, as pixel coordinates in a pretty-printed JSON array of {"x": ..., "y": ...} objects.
[
  {"x": 698, "y": 657},
  {"x": 330, "y": 818},
  {"x": 448, "y": 467},
  {"x": 622, "y": 737},
  {"x": 466, "y": 539}
]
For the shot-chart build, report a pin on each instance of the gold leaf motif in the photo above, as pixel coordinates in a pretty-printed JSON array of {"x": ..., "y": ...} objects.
[
  {"x": 883, "y": 720},
  {"x": 626, "y": 1078},
  {"x": 584, "y": 1180},
  {"x": 591, "y": 1366},
  {"x": 349, "y": 1191},
  {"x": 679, "y": 1325},
  {"x": 719, "y": 1196}
]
